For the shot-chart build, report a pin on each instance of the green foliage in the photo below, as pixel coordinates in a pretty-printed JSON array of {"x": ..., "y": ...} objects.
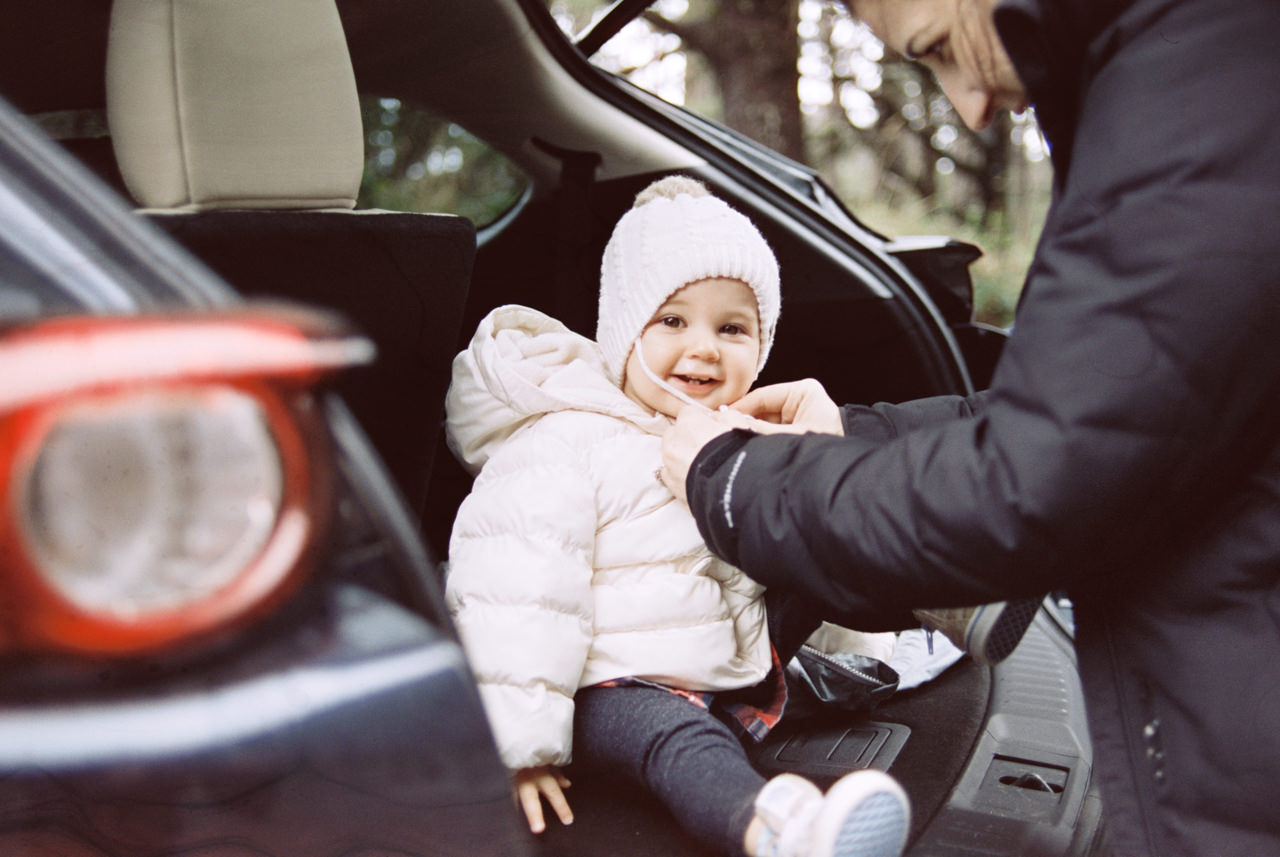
[
  {"x": 415, "y": 161},
  {"x": 997, "y": 277},
  {"x": 877, "y": 128},
  {"x": 1007, "y": 235}
]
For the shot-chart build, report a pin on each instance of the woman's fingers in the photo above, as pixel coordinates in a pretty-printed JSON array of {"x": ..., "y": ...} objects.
[{"x": 801, "y": 405}]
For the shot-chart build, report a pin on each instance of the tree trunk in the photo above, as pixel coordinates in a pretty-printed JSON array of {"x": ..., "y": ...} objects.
[{"x": 753, "y": 50}]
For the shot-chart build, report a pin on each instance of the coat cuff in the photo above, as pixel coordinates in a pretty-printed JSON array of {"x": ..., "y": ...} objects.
[{"x": 709, "y": 488}]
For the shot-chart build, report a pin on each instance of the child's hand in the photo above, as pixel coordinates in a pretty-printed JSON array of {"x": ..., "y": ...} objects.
[{"x": 533, "y": 784}]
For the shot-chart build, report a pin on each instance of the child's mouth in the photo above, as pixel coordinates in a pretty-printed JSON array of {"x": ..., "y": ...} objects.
[{"x": 694, "y": 382}]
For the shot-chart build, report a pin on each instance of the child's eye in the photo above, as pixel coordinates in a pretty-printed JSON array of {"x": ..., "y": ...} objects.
[
  {"x": 733, "y": 330},
  {"x": 670, "y": 321}
]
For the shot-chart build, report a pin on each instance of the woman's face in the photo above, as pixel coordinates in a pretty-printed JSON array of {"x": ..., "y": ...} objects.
[{"x": 957, "y": 41}]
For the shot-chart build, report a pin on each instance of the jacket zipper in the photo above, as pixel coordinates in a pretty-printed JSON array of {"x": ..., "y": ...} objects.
[{"x": 840, "y": 667}]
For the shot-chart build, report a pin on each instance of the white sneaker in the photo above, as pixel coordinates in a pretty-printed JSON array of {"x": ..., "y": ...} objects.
[
  {"x": 865, "y": 814},
  {"x": 787, "y": 805}
]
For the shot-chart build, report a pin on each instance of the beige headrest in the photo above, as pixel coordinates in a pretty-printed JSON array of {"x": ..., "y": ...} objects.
[{"x": 233, "y": 104}]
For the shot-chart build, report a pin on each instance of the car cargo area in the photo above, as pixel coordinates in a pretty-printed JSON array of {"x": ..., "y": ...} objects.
[{"x": 997, "y": 761}]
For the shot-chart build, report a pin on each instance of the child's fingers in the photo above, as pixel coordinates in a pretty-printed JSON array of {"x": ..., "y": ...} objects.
[
  {"x": 530, "y": 801},
  {"x": 555, "y": 797}
]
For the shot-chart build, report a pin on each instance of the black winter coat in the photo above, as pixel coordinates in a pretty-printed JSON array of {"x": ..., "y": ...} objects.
[{"x": 1128, "y": 449}]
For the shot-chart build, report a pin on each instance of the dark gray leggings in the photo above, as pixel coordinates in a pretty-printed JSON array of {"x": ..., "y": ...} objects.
[
  {"x": 691, "y": 761},
  {"x": 684, "y": 755}
]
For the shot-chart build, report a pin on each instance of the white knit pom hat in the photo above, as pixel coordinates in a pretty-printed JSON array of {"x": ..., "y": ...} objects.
[{"x": 678, "y": 233}]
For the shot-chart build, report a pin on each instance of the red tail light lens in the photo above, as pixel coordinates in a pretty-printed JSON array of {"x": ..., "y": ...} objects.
[{"x": 163, "y": 478}]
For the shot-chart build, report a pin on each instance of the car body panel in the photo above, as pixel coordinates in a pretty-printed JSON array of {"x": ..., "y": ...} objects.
[
  {"x": 307, "y": 747},
  {"x": 312, "y": 732}
]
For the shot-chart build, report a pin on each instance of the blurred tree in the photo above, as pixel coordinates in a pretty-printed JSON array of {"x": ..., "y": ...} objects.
[
  {"x": 806, "y": 79},
  {"x": 760, "y": 54},
  {"x": 897, "y": 108},
  {"x": 751, "y": 49}
]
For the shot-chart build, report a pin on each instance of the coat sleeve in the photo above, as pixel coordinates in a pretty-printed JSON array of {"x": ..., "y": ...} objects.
[
  {"x": 1138, "y": 390},
  {"x": 519, "y": 591},
  {"x": 885, "y": 421}
]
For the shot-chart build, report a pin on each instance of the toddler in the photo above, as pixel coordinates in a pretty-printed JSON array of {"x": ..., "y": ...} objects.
[{"x": 599, "y": 626}]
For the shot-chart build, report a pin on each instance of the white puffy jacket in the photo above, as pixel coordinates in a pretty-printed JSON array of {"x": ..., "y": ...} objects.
[{"x": 570, "y": 563}]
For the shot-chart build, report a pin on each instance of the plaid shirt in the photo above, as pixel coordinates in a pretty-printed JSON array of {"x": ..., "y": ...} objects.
[{"x": 752, "y": 711}]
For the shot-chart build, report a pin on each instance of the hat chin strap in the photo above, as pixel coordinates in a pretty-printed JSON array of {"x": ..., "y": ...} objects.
[{"x": 652, "y": 376}]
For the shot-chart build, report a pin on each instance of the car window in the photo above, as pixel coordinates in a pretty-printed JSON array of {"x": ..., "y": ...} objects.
[
  {"x": 817, "y": 86},
  {"x": 417, "y": 161},
  {"x": 414, "y": 160}
]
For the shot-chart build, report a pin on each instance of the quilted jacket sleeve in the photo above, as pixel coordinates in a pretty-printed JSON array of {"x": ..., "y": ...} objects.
[{"x": 519, "y": 590}]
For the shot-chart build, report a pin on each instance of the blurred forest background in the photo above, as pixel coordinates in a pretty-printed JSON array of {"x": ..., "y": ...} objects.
[
  {"x": 807, "y": 80},
  {"x": 802, "y": 77}
]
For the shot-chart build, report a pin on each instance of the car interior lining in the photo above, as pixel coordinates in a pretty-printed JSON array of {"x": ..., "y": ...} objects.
[{"x": 237, "y": 129}]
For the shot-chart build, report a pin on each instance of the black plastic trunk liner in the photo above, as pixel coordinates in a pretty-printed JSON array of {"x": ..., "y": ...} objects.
[{"x": 922, "y": 736}]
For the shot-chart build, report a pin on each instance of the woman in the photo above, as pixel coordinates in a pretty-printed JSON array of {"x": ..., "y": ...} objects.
[{"x": 1128, "y": 449}]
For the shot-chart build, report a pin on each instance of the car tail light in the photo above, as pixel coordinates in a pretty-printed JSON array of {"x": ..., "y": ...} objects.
[{"x": 163, "y": 477}]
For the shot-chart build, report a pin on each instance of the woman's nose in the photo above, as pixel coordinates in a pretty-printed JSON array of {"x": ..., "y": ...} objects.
[{"x": 974, "y": 104}]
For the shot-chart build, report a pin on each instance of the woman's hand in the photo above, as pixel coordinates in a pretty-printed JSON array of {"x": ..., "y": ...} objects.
[
  {"x": 533, "y": 784},
  {"x": 693, "y": 429},
  {"x": 797, "y": 407}
]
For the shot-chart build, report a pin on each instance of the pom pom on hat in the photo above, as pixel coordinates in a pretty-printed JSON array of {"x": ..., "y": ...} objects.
[{"x": 678, "y": 233}]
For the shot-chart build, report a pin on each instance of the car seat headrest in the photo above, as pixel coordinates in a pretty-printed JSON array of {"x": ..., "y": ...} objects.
[{"x": 233, "y": 104}]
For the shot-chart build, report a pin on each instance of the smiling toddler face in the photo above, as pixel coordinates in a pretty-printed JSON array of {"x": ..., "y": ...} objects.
[{"x": 704, "y": 341}]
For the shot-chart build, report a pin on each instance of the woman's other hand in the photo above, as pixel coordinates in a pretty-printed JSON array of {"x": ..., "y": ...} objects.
[{"x": 693, "y": 429}]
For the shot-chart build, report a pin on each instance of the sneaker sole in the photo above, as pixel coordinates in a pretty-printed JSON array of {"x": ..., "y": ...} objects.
[
  {"x": 865, "y": 814},
  {"x": 996, "y": 629}
]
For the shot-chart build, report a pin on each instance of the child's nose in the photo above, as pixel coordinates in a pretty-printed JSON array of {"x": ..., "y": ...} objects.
[{"x": 703, "y": 345}]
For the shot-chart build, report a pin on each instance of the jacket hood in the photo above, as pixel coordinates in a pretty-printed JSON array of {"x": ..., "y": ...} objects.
[
  {"x": 520, "y": 365},
  {"x": 1055, "y": 45}
]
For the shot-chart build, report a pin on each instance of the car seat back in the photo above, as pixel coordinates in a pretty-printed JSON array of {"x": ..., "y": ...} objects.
[{"x": 236, "y": 126}]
